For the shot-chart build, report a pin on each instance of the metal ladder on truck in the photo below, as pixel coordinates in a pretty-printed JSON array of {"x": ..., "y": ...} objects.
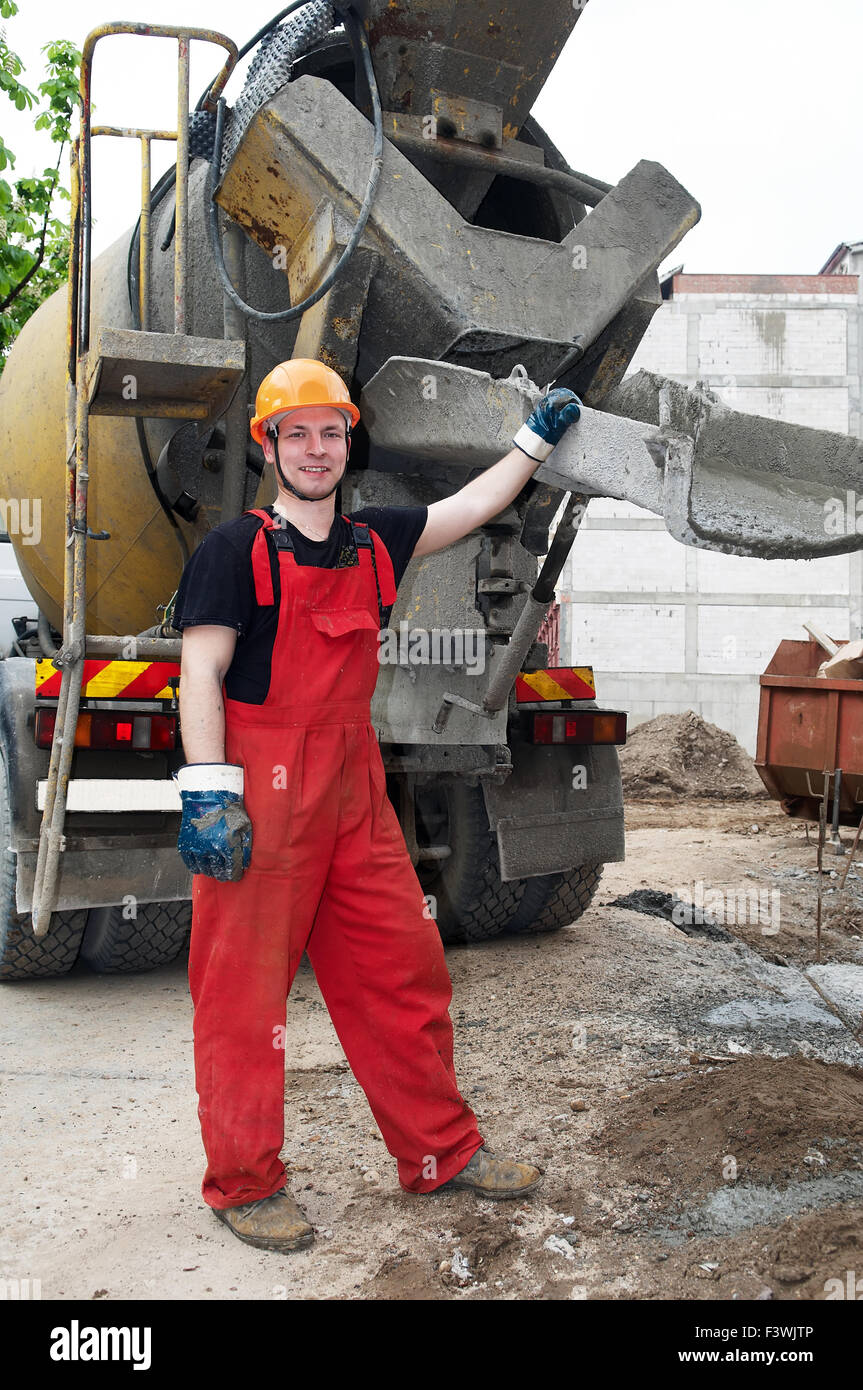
[{"x": 177, "y": 376}]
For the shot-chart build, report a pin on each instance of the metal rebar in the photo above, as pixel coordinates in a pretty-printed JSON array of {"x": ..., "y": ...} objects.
[
  {"x": 835, "y": 838},
  {"x": 822, "y": 835},
  {"x": 853, "y": 852}
]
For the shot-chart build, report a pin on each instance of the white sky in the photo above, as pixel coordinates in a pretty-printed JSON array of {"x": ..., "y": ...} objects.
[{"x": 749, "y": 103}]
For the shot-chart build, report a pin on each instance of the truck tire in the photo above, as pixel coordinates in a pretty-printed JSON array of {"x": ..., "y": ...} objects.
[
  {"x": 552, "y": 901},
  {"x": 114, "y": 944},
  {"x": 472, "y": 902},
  {"x": 22, "y": 957}
]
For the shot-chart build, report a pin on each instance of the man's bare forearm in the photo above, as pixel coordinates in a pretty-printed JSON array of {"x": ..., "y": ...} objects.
[
  {"x": 476, "y": 503},
  {"x": 487, "y": 496},
  {"x": 499, "y": 485},
  {"x": 202, "y": 717}
]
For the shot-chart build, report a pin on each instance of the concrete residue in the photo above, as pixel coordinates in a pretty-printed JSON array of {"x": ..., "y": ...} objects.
[{"x": 734, "y": 1209}]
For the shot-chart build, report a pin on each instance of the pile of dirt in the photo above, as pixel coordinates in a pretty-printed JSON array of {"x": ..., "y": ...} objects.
[
  {"x": 683, "y": 755},
  {"x": 770, "y": 1114},
  {"x": 808, "y": 1257}
]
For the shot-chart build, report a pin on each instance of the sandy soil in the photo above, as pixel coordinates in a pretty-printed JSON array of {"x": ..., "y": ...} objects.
[{"x": 696, "y": 1105}]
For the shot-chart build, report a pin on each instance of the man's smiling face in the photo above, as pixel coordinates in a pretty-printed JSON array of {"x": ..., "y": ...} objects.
[{"x": 313, "y": 449}]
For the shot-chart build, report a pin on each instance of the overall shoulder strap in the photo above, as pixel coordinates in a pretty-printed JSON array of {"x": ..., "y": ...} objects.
[
  {"x": 366, "y": 539},
  {"x": 383, "y": 561},
  {"x": 261, "y": 559}
]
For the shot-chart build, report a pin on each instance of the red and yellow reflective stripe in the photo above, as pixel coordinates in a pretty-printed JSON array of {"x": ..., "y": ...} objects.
[
  {"x": 113, "y": 680},
  {"x": 555, "y": 683}
]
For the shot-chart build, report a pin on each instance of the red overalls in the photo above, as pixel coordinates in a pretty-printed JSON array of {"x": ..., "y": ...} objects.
[{"x": 330, "y": 875}]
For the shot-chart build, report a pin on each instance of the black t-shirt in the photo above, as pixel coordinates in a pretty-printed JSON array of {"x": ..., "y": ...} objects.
[{"x": 217, "y": 586}]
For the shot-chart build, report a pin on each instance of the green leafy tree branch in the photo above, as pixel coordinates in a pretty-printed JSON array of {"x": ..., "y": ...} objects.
[{"x": 34, "y": 242}]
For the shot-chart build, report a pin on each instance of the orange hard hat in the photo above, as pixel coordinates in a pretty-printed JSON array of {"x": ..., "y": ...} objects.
[{"x": 301, "y": 382}]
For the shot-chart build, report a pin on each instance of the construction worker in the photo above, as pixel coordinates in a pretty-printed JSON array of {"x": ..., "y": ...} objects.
[{"x": 287, "y": 827}]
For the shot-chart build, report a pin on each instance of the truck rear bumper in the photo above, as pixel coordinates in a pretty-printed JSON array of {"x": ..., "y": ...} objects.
[{"x": 95, "y": 877}]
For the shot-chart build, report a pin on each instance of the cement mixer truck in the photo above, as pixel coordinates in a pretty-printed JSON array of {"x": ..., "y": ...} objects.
[{"x": 379, "y": 197}]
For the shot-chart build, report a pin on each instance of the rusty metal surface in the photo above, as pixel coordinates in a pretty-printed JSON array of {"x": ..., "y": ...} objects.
[
  {"x": 469, "y": 293},
  {"x": 499, "y": 57},
  {"x": 479, "y": 122},
  {"x": 329, "y": 331},
  {"x": 508, "y": 51}
]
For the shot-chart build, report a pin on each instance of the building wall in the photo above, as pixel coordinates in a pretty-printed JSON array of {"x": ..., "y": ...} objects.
[
  {"x": 15, "y": 601},
  {"x": 667, "y": 627}
]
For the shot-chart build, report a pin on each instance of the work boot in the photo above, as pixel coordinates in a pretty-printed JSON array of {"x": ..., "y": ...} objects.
[
  {"x": 272, "y": 1223},
  {"x": 494, "y": 1177}
]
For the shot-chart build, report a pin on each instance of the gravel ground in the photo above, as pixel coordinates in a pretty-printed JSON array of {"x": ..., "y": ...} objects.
[{"x": 696, "y": 1106}]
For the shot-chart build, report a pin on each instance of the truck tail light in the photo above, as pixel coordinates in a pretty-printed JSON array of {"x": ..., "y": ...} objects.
[
  {"x": 585, "y": 726},
  {"x": 112, "y": 729}
]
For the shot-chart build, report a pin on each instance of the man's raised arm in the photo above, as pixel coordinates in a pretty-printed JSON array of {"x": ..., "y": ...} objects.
[{"x": 486, "y": 496}]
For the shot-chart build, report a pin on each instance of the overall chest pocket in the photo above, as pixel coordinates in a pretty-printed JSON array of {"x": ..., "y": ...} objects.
[{"x": 338, "y": 622}]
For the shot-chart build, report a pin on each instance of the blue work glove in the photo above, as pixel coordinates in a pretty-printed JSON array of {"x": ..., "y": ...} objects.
[
  {"x": 215, "y": 832},
  {"x": 547, "y": 423}
]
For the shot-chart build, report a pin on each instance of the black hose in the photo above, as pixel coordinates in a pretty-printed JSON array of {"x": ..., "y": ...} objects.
[
  {"x": 46, "y": 641},
  {"x": 154, "y": 483},
  {"x": 359, "y": 42},
  {"x": 256, "y": 38}
]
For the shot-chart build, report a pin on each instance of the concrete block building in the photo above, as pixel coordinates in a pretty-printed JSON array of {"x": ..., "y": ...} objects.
[{"x": 669, "y": 628}]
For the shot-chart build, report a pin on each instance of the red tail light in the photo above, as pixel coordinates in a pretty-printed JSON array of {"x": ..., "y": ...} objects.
[
  {"x": 586, "y": 726},
  {"x": 100, "y": 728}
]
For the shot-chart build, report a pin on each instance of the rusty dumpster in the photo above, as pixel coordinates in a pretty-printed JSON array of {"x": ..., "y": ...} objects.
[{"x": 809, "y": 725}]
